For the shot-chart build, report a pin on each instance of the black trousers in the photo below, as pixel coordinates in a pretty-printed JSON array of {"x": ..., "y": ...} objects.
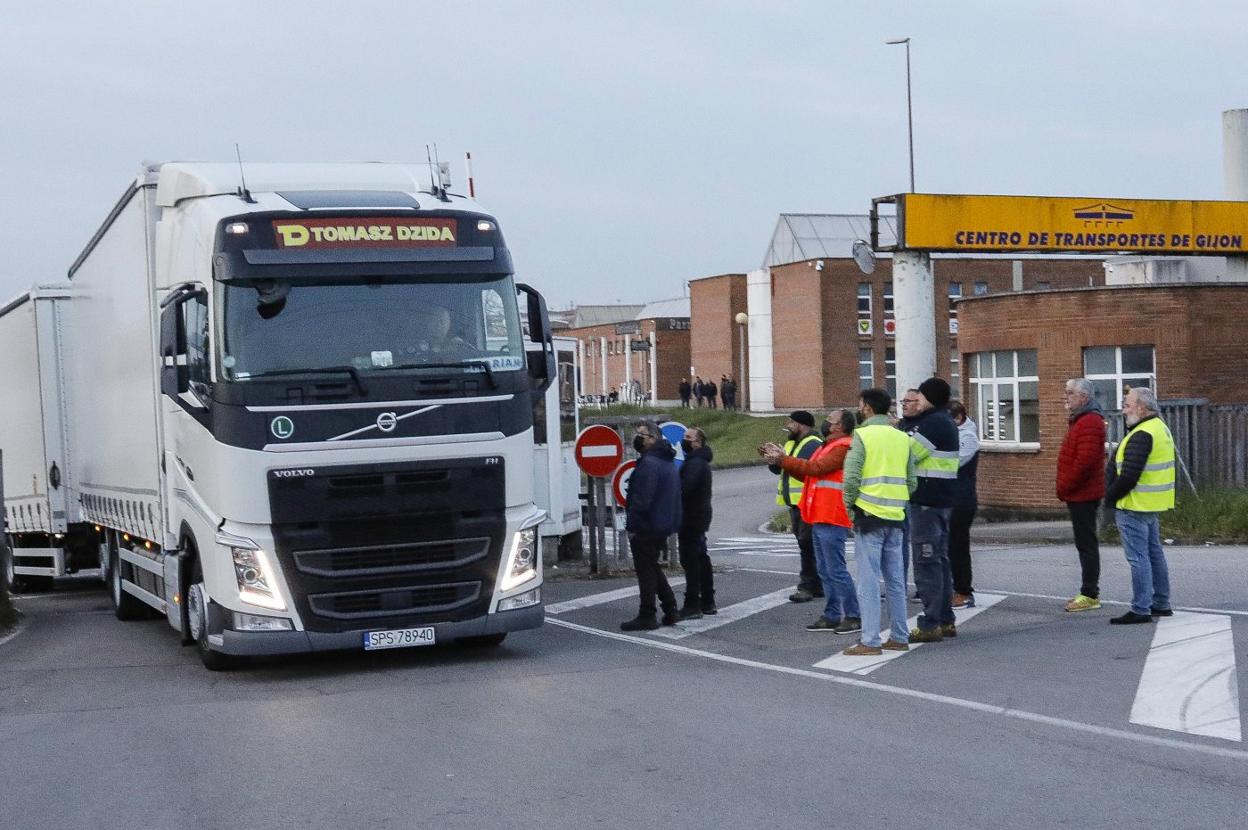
[
  {"x": 651, "y": 580},
  {"x": 960, "y": 548},
  {"x": 808, "y": 577},
  {"x": 699, "y": 579},
  {"x": 1083, "y": 521}
]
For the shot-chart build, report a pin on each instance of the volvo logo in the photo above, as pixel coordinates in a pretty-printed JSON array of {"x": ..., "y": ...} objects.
[
  {"x": 306, "y": 471},
  {"x": 387, "y": 421}
]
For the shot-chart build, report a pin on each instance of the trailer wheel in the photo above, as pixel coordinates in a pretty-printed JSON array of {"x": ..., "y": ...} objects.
[
  {"x": 197, "y": 617},
  {"x": 125, "y": 606},
  {"x": 12, "y": 582}
]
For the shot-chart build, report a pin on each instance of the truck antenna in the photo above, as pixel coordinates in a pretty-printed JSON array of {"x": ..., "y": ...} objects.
[
  {"x": 433, "y": 187},
  {"x": 444, "y": 176},
  {"x": 243, "y": 192}
]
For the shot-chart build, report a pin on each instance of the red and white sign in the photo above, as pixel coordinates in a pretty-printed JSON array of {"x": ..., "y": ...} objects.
[
  {"x": 890, "y": 328},
  {"x": 599, "y": 450},
  {"x": 619, "y": 483}
]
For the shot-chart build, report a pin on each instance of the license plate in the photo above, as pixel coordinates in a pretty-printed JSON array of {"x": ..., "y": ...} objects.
[{"x": 399, "y": 638}]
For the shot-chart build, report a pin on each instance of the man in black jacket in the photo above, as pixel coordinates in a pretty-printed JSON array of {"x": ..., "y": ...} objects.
[
  {"x": 695, "y": 521},
  {"x": 653, "y": 515}
]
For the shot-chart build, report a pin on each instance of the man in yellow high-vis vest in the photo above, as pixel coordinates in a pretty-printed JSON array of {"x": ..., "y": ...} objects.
[
  {"x": 802, "y": 443},
  {"x": 879, "y": 478},
  {"x": 1141, "y": 487}
]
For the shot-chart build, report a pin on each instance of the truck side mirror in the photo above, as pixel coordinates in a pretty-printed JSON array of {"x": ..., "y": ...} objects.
[
  {"x": 541, "y": 364},
  {"x": 174, "y": 376}
]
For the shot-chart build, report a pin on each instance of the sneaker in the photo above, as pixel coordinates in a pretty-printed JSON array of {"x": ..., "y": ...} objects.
[
  {"x": 926, "y": 635},
  {"x": 801, "y": 595},
  {"x": 1131, "y": 618},
  {"x": 861, "y": 650},
  {"x": 948, "y": 630},
  {"x": 963, "y": 600},
  {"x": 641, "y": 622},
  {"x": 893, "y": 645},
  {"x": 709, "y": 609},
  {"x": 694, "y": 613},
  {"x": 824, "y": 624},
  {"x": 1161, "y": 612},
  {"x": 849, "y": 625},
  {"x": 1083, "y": 603}
]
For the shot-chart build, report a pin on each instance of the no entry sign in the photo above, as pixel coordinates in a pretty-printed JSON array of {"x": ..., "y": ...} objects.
[
  {"x": 599, "y": 450},
  {"x": 619, "y": 482}
]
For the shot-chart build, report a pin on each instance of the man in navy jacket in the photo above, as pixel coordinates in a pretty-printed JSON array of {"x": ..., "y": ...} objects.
[{"x": 653, "y": 515}]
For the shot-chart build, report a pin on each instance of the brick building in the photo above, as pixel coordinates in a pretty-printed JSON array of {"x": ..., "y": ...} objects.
[
  {"x": 638, "y": 355},
  {"x": 715, "y": 341},
  {"x": 1019, "y": 349}
]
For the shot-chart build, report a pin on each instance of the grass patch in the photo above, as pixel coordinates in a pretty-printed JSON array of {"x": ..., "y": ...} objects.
[
  {"x": 734, "y": 436},
  {"x": 1217, "y": 516}
]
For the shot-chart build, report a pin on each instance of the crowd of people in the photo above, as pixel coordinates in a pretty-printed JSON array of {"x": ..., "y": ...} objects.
[
  {"x": 705, "y": 392},
  {"x": 906, "y": 488}
]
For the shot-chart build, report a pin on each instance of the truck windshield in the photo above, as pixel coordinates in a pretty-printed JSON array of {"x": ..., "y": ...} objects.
[{"x": 369, "y": 325}]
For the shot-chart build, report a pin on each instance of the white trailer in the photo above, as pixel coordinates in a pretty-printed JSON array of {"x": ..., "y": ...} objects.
[
  {"x": 557, "y": 479},
  {"x": 303, "y": 412},
  {"x": 40, "y": 516}
]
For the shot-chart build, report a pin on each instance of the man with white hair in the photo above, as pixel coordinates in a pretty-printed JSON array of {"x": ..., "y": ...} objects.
[
  {"x": 1141, "y": 487},
  {"x": 1081, "y": 484}
]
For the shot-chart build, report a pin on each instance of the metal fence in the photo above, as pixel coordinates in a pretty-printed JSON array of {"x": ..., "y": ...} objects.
[{"x": 1211, "y": 440}]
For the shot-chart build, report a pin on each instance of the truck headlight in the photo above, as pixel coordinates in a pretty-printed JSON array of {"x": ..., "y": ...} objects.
[
  {"x": 256, "y": 583},
  {"x": 521, "y": 563}
]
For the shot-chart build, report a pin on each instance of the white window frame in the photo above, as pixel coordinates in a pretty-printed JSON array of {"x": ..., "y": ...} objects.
[
  {"x": 890, "y": 375},
  {"x": 980, "y": 284},
  {"x": 955, "y": 372},
  {"x": 868, "y": 380},
  {"x": 890, "y": 309},
  {"x": 1118, "y": 376},
  {"x": 989, "y": 425},
  {"x": 865, "y": 314}
]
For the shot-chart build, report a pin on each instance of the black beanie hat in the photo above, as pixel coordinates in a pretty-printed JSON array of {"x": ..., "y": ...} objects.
[
  {"x": 803, "y": 417},
  {"x": 936, "y": 390}
]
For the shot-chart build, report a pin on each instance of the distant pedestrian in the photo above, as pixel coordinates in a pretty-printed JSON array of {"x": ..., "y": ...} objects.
[
  {"x": 614, "y": 396},
  {"x": 653, "y": 514},
  {"x": 879, "y": 478},
  {"x": 823, "y": 508},
  {"x": 699, "y": 390},
  {"x": 801, "y": 443},
  {"x": 727, "y": 391},
  {"x": 685, "y": 390},
  {"x": 965, "y": 505},
  {"x": 934, "y": 442},
  {"x": 1081, "y": 484},
  {"x": 711, "y": 391},
  {"x": 695, "y": 521},
  {"x": 1141, "y": 487}
]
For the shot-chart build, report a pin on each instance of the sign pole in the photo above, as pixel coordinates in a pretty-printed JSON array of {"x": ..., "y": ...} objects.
[
  {"x": 591, "y": 517},
  {"x": 915, "y": 340}
]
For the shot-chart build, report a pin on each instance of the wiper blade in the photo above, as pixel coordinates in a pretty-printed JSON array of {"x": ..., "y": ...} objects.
[
  {"x": 318, "y": 370},
  {"x": 484, "y": 364}
]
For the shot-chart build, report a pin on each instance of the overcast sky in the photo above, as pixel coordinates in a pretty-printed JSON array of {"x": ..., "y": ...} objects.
[{"x": 626, "y": 147}]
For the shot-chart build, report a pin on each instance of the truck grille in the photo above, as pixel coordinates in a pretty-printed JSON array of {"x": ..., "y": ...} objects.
[
  {"x": 392, "y": 559},
  {"x": 424, "y": 599}
]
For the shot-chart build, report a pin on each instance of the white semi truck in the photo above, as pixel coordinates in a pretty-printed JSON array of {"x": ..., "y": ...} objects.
[{"x": 299, "y": 412}]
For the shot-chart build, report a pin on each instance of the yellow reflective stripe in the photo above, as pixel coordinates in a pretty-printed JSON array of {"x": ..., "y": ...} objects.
[
  {"x": 882, "y": 502},
  {"x": 884, "y": 480},
  {"x": 931, "y": 472},
  {"x": 1154, "y": 488},
  {"x": 923, "y": 440},
  {"x": 1164, "y": 465}
]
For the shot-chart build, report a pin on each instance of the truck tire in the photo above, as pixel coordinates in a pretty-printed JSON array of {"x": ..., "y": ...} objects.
[
  {"x": 12, "y": 582},
  {"x": 197, "y": 619},
  {"x": 125, "y": 606}
]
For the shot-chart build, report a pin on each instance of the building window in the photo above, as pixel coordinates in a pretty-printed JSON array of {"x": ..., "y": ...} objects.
[
  {"x": 955, "y": 294},
  {"x": 888, "y": 300},
  {"x": 1005, "y": 396},
  {"x": 1115, "y": 369},
  {"x": 955, "y": 373},
  {"x": 1043, "y": 285},
  {"x": 981, "y": 288},
  {"x": 890, "y": 371},
  {"x": 866, "y": 369},
  {"x": 864, "y": 301}
]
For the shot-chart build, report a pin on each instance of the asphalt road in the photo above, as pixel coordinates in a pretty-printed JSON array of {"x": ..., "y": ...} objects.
[{"x": 1024, "y": 721}]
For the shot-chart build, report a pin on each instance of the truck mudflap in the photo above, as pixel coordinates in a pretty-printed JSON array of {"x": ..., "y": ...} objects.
[{"x": 262, "y": 643}]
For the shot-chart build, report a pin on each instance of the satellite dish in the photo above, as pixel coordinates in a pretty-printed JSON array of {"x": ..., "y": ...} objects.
[{"x": 864, "y": 256}]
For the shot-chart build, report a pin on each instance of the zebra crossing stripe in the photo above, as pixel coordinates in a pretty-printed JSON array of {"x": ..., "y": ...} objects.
[
  {"x": 728, "y": 614},
  {"x": 602, "y": 598}
]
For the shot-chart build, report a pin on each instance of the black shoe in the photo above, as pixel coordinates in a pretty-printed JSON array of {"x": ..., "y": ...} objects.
[
  {"x": 801, "y": 595},
  {"x": 688, "y": 613},
  {"x": 1161, "y": 612},
  {"x": 670, "y": 617},
  {"x": 849, "y": 625},
  {"x": 641, "y": 622},
  {"x": 822, "y": 624},
  {"x": 1131, "y": 618},
  {"x": 709, "y": 609}
]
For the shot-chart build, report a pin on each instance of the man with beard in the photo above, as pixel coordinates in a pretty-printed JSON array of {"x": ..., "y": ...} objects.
[{"x": 802, "y": 443}]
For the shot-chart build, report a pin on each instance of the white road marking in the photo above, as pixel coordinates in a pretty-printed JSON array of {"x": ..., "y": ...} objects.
[
  {"x": 1188, "y": 683},
  {"x": 727, "y": 614},
  {"x": 17, "y": 629},
  {"x": 867, "y": 664},
  {"x": 1196, "y": 608},
  {"x": 603, "y": 598},
  {"x": 915, "y": 694}
]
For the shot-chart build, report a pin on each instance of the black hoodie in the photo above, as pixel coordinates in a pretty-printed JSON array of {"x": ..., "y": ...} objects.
[{"x": 695, "y": 491}]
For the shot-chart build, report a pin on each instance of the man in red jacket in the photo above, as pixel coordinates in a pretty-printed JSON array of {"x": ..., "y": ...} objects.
[{"x": 1081, "y": 484}]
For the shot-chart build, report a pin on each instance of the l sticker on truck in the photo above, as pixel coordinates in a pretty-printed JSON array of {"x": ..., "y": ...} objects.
[{"x": 282, "y": 427}]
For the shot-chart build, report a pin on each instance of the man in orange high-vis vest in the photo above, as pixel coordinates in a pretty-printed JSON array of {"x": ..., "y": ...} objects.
[{"x": 823, "y": 508}]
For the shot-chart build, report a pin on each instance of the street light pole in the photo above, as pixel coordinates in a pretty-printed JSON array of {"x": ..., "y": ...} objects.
[
  {"x": 742, "y": 318},
  {"x": 909, "y": 108}
]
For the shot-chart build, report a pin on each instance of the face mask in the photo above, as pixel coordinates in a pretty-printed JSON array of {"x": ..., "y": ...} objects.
[
  {"x": 686, "y": 445},
  {"x": 826, "y": 429},
  {"x": 639, "y": 443}
]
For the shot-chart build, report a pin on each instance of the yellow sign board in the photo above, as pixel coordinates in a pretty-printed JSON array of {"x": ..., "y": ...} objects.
[{"x": 934, "y": 222}]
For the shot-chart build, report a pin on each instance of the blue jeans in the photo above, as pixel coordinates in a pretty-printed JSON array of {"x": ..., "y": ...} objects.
[
  {"x": 1150, "y": 576},
  {"x": 838, "y": 585},
  {"x": 877, "y": 551},
  {"x": 933, "y": 578}
]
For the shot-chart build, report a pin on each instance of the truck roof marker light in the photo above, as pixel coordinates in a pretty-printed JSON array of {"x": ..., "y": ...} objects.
[
  {"x": 125, "y": 537},
  {"x": 98, "y": 528},
  {"x": 236, "y": 228},
  {"x": 485, "y": 226},
  {"x": 147, "y": 545}
]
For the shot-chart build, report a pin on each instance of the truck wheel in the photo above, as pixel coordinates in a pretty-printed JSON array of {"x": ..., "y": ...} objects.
[
  {"x": 13, "y": 583},
  {"x": 125, "y": 606},
  {"x": 484, "y": 641},
  {"x": 197, "y": 616}
]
